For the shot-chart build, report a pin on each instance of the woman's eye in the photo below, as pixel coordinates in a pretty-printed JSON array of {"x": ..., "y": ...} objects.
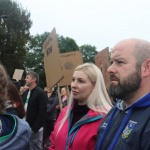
[{"x": 81, "y": 81}]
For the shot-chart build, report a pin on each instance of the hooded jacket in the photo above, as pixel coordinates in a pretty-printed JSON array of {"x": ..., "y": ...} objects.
[
  {"x": 14, "y": 133},
  {"x": 126, "y": 128},
  {"x": 82, "y": 135}
]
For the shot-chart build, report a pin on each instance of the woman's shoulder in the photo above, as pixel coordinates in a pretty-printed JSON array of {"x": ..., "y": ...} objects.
[
  {"x": 95, "y": 113},
  {"x": 19, "y": 131},
  {"x": 18, "y": 123},
  {"x": 63, "y": 111}
]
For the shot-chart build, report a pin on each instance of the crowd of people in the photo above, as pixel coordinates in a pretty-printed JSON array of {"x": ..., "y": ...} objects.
[{"x": 92, "y": 117}]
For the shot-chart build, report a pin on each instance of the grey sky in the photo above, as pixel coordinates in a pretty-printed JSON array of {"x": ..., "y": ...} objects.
[{"x": 100, "y": 23}]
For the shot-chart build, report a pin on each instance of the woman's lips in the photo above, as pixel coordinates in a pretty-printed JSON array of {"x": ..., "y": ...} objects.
[{"x": 75, "y": 92}]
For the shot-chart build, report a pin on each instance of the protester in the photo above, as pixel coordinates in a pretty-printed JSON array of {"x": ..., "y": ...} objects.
[
  {"x": 14, "y": 103},
  {"x": 14, "y": 132},
  {"x": 77, "y": 124},
  {"x": 35, "y": 105},
  {"x": 127, "y": 125},
  {"x": 52, "y": 104},
  {"x": 64, "y": 97}
]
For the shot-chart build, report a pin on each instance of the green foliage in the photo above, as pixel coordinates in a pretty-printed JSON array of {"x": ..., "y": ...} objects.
[
  {"x": 35, "y": 55},
  {"x": 67, "y": 44},
  {"x": 14, "y": 33},
  {"x": 88, "y": 53}
]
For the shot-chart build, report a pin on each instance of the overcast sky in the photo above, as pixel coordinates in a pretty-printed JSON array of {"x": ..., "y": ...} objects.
[{"x": 100, "y": 23}]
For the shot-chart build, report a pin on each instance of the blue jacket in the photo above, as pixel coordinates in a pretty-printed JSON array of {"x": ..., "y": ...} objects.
[
  {"x": 14, "y": 133},
  {"x": 126, "y": 128}
]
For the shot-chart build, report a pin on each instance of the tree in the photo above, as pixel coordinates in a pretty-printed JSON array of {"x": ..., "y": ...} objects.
[
  {"x": 35, "y": 56},
  {"x": 14, "y": 33},
  {"x": 88, "y": 53},
  {"x": 67, "y": 44}
]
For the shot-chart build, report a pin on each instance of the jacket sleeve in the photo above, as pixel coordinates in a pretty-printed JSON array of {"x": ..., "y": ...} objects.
[
  {"x": 53, "y": 135},
  {"x": 52, "y": 139},
  {"x": 52, "y": 107}
]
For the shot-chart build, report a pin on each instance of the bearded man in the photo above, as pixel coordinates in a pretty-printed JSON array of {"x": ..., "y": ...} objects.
[{"x": 127, "y": 125}]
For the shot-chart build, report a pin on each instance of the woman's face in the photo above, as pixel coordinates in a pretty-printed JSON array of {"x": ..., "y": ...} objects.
[
  {"x": 81, "y": 87},
  {"x": 63, "y": 92}
]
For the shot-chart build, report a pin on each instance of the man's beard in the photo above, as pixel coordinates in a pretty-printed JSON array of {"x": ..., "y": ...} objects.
[
  {"x": 28, "y": 84},
  {"x": 127, "y": 88}
]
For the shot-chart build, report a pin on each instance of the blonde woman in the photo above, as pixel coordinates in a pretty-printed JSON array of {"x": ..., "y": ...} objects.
[
  {"x": 77, "y": 124},
  {"x": 64, "y": 96}
]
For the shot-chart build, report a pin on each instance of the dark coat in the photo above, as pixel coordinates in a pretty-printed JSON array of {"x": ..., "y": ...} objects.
[
  {"x": 37, "y": 106},
  {"x": 53, "y": 101}
]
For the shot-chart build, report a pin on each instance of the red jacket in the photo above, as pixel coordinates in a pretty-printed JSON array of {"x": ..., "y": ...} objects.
[{"x": 81, "y": 136}]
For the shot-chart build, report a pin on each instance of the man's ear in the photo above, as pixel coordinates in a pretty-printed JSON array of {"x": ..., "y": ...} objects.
[
  {"x": 146, "y": 68},
  {"x": 34, "y": 79}
]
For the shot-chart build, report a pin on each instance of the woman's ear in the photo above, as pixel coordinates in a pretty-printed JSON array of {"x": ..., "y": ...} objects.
[
  {"x": 93, "y": 85},
  {"x": 145, "y": 69}
]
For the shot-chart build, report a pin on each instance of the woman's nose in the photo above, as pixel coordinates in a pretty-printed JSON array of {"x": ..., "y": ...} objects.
[{"x": 73, "y": 84}]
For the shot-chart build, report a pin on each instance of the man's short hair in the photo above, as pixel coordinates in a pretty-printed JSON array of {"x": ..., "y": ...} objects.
[{"x": 34, "y": 75}]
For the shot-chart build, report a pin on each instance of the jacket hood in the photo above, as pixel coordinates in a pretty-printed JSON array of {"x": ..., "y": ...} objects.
[
  {"x": 19, "y": 136},
  {"x": 140, "y": 103}
]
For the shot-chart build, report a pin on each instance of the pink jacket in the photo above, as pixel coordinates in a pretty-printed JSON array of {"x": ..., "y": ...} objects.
[{"x": 81, "y": 136}]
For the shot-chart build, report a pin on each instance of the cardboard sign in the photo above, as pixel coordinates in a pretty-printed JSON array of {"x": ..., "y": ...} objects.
[
  {"x": 52, "y": 63},
  {"x": 69, "y": 62},
  {"x": 18, "y": 74},
  {"x": 102, "y": 60}
]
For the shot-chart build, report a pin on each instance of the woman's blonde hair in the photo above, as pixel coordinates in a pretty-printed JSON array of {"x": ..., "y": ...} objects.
[{"x": 98, "y": 100}]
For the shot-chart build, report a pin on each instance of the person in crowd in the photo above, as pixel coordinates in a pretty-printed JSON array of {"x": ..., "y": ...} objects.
[
  {"x": 35, "y": 100},
  {"x": 77, "y": 125},
  {"x": 14, "y": 132},
  {"x": 16, "y": 83},
  {"x": 127, "y": 125},
  {"x": 49, "y": 93},
  {"x": 64, "y": 96},
  {"x": 52, "y": 104},
  {"x": 14, "y": 103}
]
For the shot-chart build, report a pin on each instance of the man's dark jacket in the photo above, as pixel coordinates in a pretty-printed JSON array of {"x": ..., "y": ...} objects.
[{"x": 37, "y": 108}]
